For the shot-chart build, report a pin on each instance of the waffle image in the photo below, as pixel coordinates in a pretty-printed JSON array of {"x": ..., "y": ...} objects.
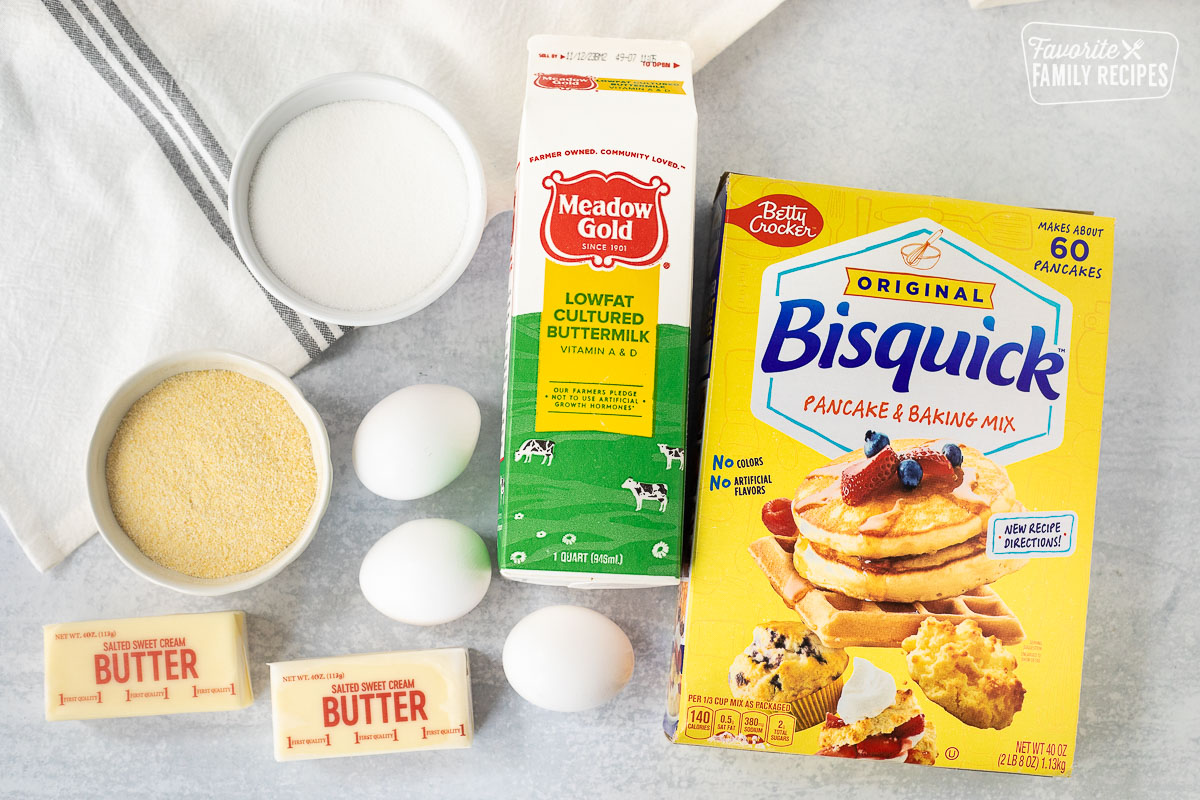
[
  {"x": 866, "y": 533},
  {"x": 842, "y": 621}
]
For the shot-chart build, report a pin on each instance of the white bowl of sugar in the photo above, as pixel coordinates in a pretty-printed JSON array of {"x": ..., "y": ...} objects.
[{"x": 357, "y": 199}]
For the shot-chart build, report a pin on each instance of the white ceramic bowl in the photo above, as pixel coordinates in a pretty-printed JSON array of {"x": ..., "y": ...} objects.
[
  {"x": 331, "y": 89},
  {"x": 110, "y": 419}
]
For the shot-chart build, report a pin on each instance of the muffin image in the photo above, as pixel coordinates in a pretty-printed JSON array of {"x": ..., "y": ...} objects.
[
  {"x": 787, "y": 663},
  {"x": 970, "y": 675}
]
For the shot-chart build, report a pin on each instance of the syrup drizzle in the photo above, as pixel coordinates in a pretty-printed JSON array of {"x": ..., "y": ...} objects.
[
  {"x": 818, "y": 499},
  {"x": 883, "y": 521},
  {"x": 832, "y": 470},
  {"x": 964, "y": 493}
]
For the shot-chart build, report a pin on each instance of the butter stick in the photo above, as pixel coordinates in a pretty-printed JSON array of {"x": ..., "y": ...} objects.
[
  {"x": 137, "y": 667},
  {"x": 371, "y": 703}
]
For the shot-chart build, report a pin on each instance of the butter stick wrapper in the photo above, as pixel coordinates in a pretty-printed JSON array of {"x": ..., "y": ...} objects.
[
  {"x": 172, "y": 664},
  {"x": 371, "y": 703}
]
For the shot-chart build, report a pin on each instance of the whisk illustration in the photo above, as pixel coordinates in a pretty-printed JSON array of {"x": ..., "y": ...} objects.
[{"x": 914, "y": 254}]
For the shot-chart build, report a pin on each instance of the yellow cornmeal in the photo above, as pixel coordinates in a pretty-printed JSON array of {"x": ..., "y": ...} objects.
[{"x": 211, "y": 474}]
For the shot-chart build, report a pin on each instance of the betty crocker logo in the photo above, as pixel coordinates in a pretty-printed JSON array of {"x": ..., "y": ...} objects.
[
  {"x": 604, "y": 219},
  {"x": 556, "y": 80},
  {"x": 778, "y": 220}
]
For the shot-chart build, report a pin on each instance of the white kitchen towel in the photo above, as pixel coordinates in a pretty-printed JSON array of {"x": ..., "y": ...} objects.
[{"x": 117, "y": 124}]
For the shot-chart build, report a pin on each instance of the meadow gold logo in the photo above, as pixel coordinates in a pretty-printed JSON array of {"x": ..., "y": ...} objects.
[
  {"x": 605, "y": 219},
  {"x": 558, "y": 80}
]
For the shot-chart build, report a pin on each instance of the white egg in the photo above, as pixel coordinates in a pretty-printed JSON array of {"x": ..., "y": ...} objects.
[
  {"x": 567, "y": 658},
  {"x": 426, "y": 572},
  {"x": 416, "y": 441}
]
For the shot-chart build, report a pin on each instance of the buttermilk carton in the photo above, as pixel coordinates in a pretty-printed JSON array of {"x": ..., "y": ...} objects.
[
  {"x": 897, "y": 479},
  {"x": 592, "y": 471}
]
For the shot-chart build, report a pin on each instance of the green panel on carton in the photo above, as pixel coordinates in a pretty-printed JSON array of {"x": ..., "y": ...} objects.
[{"x": 579, "y": 494}]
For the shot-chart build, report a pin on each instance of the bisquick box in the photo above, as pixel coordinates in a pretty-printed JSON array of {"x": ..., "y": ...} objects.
[
  {"x": 931, "y": 320},
  {"x": 593, "y": 461}
]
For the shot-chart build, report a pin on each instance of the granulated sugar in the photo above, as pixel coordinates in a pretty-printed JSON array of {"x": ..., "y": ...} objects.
[
  {"x": 359, "y": 205},
  {"x": 211, "y": 474}
]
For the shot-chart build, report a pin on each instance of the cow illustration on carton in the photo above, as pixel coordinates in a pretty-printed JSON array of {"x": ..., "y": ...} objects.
[
  {"x": 535, "y": 447},
  {"x": 647, "y": 491},
  {"x": 672, "y": 453}
]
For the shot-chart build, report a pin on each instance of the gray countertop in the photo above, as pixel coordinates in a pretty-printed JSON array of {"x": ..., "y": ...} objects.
[{"x": 921, "y": 96}]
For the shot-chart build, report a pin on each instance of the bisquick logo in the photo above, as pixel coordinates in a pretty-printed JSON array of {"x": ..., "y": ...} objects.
[
  {"x": 906, "y": 347},
  {"x": 979, "y": 355},
  {"x": 604, "y": 219},
  {"x": 780, "y": 220},
  {"x": 558, "y": 80}
]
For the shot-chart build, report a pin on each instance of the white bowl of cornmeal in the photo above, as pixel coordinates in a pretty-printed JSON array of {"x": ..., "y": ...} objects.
[
  {"x": 208, "y": 472},
  {"x": 358, "y": 199}
]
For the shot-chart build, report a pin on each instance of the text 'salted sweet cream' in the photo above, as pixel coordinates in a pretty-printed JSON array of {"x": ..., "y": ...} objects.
[{"x": 147, "y": 665}]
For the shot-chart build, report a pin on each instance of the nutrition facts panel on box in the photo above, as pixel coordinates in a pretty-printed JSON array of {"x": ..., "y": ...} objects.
[{"x": 774, "y": 728}]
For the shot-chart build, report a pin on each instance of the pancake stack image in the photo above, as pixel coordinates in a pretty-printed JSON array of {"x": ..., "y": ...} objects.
[{"x": 881, "y": 538}]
